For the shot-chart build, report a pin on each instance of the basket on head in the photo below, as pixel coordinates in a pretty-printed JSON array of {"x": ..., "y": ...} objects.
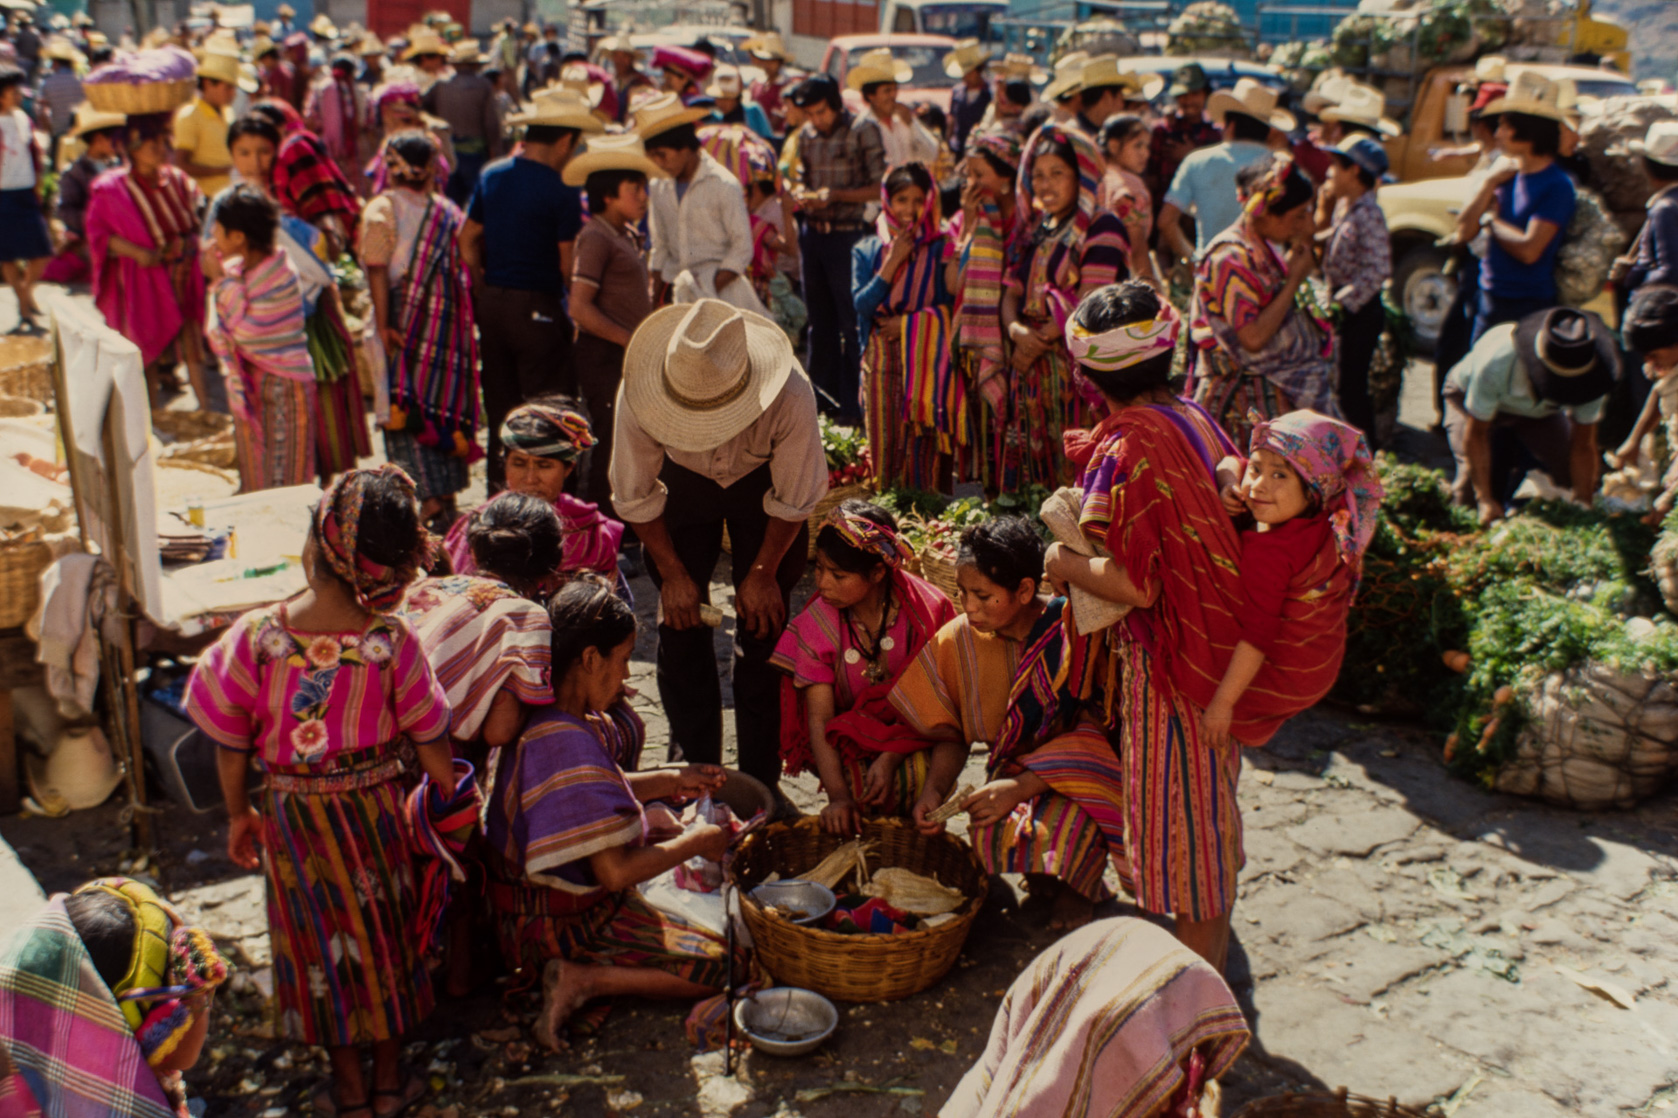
[
  {"x": 139, "y": 98},
  {"x": 1323, "y": 1104},
  {"x": 857, "y": 968},
  {"x": 26, "y": 368}
]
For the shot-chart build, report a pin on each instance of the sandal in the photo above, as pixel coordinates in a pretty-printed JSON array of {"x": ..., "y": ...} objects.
[{"x": 407, "y": 1095}]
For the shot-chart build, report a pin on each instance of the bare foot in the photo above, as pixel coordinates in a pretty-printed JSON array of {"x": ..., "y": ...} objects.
[
  {"x": 564, "y": 989},
  {"x": 1072, "y": 910}
]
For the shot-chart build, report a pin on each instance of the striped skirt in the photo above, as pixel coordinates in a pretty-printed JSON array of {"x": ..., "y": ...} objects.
[
  {"x": 1228, "y": 394},
  {"x": 904, "y": 454},
  {"x": 906, "y": 786},
  {"x": 1182, "y": 821},
  {"x": 281, "y": 451},
  {"x": 619, "y": 929},
  {"x": 1071, "y": 832},
  {"x": 436, "y": 472},
  {"x": 340, "y": 416},
  {"x": 340, "y": 895}
]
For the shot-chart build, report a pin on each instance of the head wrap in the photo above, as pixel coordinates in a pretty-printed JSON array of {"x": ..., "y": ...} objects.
[
  {"x": 1089, "y": 170},
  {"x": 406, "y": 92},
  {"x": 377, "y": 588},
  {"x": 1001, "y": 143},
  {"x": 400, "y": 169},
  {"x": 1126, "y": 345},
  {"x": 566, "y": 434},
  {"x": 1269, "y": 189},
  {"x": 928, "y": 222},
  {"x": 171, "y": 963},
  {"x": 1333, "y": 460},
  {"x": 865, "y": 535}
]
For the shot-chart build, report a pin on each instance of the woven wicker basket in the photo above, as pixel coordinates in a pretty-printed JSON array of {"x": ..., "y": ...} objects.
[
  {"x": 1320, "y": 1104},
  {"x": 137, "y": 99},
  {"x": 21, "y": 562},
  {"x": 939, "y": 568},
  {"x": 857, "y": 968},
  {"x": 26, "y": 368},
  {"x": 190, "y": 426}
]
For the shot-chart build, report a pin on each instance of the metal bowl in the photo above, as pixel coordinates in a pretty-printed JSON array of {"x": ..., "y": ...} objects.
[
  {"x": 808, "y": 897},
  {"x": 786, "y": 1020},
  {"x": 745, "y": 795}
]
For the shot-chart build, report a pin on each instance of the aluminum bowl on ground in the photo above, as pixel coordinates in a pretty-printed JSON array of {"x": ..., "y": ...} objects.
[
  {"x": 786, "y": 1020},
  {"x": 810, "y": 898}
]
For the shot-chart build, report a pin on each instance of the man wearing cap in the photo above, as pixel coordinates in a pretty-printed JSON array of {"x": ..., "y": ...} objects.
[
  {"x": 968, "y": 62},
  {"x": 1357, "y": 262},
  {"x": 201, "y": 124},
  {"x": 877, "y": 76},
  {"x": 716, "y": 427},
  {"x": 466, "y": 100},
  {"x": 770, "y": 53},
  {"x": 729, "y": 91},
  {"x": 1205, "y": 181},
  {"x": 1539, "y": 386},
  {"x": 520, "y": 225},
  {"x": 841, "y": 162},
  {"x": 1183, "y": 130},
  {"x": 698, "y": 226},
  {"x": 60, "y": 90}
]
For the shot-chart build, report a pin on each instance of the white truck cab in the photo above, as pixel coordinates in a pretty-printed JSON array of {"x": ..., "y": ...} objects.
[{"x": 966, "y": 19}]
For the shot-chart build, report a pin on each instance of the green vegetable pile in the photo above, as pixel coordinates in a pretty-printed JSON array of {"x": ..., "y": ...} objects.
[
  {"x": 1547, "y": 589},
  {"x": 933, "y": 521}
]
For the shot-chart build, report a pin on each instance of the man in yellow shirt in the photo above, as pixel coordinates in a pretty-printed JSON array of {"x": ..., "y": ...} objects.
[{"x": 201, "y": 125}]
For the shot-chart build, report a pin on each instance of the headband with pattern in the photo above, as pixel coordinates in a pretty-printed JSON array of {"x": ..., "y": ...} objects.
[
  {"x": 1270, "y": 189},
  {"x": 1127, "y": 345},
  {"x": 865, "y": 535},
  {"x": 571, "y": 433},
  {"x": 377, "y": 587}
]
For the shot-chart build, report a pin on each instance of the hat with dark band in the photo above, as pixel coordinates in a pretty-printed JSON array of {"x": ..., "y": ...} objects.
[{"x": 1568, "y": 354}]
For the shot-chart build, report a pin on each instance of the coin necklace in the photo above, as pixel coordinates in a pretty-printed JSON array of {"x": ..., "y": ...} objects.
[{"x": 873, "y": 649}]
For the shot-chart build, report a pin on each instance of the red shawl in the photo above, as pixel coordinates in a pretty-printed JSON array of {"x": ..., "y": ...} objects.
[{"x": 309, "y": 184}]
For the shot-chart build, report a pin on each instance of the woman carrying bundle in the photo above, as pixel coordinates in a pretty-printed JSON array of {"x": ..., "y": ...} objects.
[
  {"x": 422, "y": 299},
  {"x": 1068, "y": 250},
  {"x": 570, "y": 837},
  {"x": 915, "y": 403},
  {"x": 842, "y": 656}
]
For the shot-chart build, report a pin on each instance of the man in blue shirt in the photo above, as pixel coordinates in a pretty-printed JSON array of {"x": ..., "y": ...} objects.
[
  {"x": 1529, "y": 208},
  {"x": 520, "y": 225},
  {"x": 1204, "y": 184},
  {"x": 967, "y": 63}
]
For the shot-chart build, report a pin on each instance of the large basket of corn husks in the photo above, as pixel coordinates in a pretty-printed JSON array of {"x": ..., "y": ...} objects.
[{"x": 933, "y": 881}]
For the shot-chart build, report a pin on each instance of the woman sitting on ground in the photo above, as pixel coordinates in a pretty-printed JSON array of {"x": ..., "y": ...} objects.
[
  {"x": 842, "y": 655},
  {"x": 570, "y": 838},
  {"x": 545, "y": 440}
]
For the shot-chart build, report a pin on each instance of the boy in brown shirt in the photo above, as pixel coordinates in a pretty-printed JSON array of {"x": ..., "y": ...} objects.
[{"x": 610, "y": 291}]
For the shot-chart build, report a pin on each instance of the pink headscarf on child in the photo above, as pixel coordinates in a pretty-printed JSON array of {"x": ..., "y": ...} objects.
[{"x": 1333, "y": 459}]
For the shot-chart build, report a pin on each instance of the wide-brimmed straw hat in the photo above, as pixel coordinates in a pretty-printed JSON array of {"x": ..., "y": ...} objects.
[
  {"x": 424, "y": 40},
  {"x": 1104, "y": 70},
  {"x": 1533, "y": 94},
  {"x": 222, "y": 67},
  {"x": 1019, "y": 67},
  {"x": 1253, "y": 98},
  {"x": 322, "y": 27},
  {"x": 766, "y": 46},
  {"x": 696, "y": 375},
  {"x": 1660, "y": 143},
  {"x": 466, "y": 53},
  {"x": 370, "y": 45},
  {"x": 1569, "y": 355},
  {"x": 261, "y": 45},
  {"x": 612, "y": 44},
  {"x": 559, "y": 107},
  {"x": 662, "y": 113},
  {"x": 1362, "y": 104},
  {"x": 1069, "y": 75},
  {"x": 63, "y": 50},
  {"x": 878, "y": 66},
  {"x": 89, "y": 119},
  {"x": 966, "y": 57},
  {"x": 1325, "y": 91},
  {"x": 622, "y": 151},
  {"x": 285, "y": 11},
  {"x": 1491, "y": 68}
]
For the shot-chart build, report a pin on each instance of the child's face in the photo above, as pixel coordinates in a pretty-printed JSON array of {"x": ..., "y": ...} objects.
[
  {"x": 227, "y": 243},
  {"x": 988, "y": 606},
  {"x": 906, "y": 204},
  {"x": 253, "y": 158},
  {"x": 1659, "y": 363},
  {"x": 631, "y": 200},
  {"x": 1273, "y": 490},
  {"x": 843, "y": 589}
]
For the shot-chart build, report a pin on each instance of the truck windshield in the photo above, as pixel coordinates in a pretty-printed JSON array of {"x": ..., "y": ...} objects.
[
  {"x": 958, "y": 21},
  {"x": 1611, "y": 87},
  {"x": 927, "y": 62}
]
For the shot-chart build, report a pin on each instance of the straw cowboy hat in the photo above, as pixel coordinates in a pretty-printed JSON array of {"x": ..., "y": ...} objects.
[
  {"x": 1253, "y": 98},
  {"x": 1104, "y": 70},
  {"x": 1533, "y": 94},
  {"x": 1326, "y": 91},
  {"x": 466, "y": 53},
  {"x": 965, "y": 57},
  {"x": 662, "y": 113},
  {"x": 1660, "y": 144},
  {"x": 558, "y": 107},
  {"x": 370, "y": 45},
  {"x": 219, "y": 66},
  {"x": 1365, "y": 105},
  {"x": 286, "y": 11},
  {"x": 80, "y": 773},
  {"x": 89, "y": 119},
  {"x": 726, "y": 82},
  {"x": 1069, "y": 75},
  {"x": 695, "y": 375},
  {"x": 1022, "y": 68},
  {"x": 766, "y": 46},
  {"x": 618, "y": 44},
  {"x": 1569, "y": 355},
  {"x": 322, "y": 27},
  {"x": 424, "y": 40},
  {"x": 63, "y": 50},
  {"x": 575, "y": 77},
  {"x": 261, "y": 45},
  {"x": 878, "y": 66},
  {"x": 620, "y": 152},
  {"x": 1491, "y": 68}
]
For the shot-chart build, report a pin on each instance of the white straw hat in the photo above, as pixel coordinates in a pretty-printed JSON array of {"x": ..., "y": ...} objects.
[
  {"x": 1660, "y": 143},
  {"x": 559, "y": 107},
  {"x": 622, "y": 151},
  {"x": 1106, "y": 69},
  {"x": 878, "y": 66},
  {"x": 1325, "y": 91},
  {"x": 1253, "y": 98},
  {"x": 662, "y": 113},
  {"x": 696, "y": 375},
  {"x": 1362, "y": 104},
  {"x": 965, "y": 57},
  {"x": 1069, "y": 75},
  {"x": 1532, "y": 94}
]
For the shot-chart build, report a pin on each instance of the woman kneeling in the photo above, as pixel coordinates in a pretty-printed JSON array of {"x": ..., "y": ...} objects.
[{"x": 570, "y": 839}]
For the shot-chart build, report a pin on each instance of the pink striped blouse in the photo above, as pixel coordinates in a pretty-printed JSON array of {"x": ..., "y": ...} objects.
[
  {"x": 300, "y": 698},
  {"x": 259, "y": 318}
]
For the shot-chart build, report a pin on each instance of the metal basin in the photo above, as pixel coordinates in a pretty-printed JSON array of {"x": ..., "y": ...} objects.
[
  {"x": 813, "y": 900},
  {"x": 786, "y": 1020}
]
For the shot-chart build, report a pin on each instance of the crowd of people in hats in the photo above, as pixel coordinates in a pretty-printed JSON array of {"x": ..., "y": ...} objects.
[{"x": 601, "y": 276}]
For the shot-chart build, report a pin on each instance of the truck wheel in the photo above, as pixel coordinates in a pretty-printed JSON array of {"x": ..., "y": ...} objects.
[{"x": 1425, "y": 292}]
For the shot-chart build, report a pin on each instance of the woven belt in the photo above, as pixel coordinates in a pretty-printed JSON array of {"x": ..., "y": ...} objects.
[{"x": 328, "y": 784}]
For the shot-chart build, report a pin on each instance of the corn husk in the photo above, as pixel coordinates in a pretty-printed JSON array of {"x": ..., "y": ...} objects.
[
  {"x": 848, "y": 859},
  {"x": 909, "y": 891},
  {"x": 950, "y": 807}
]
